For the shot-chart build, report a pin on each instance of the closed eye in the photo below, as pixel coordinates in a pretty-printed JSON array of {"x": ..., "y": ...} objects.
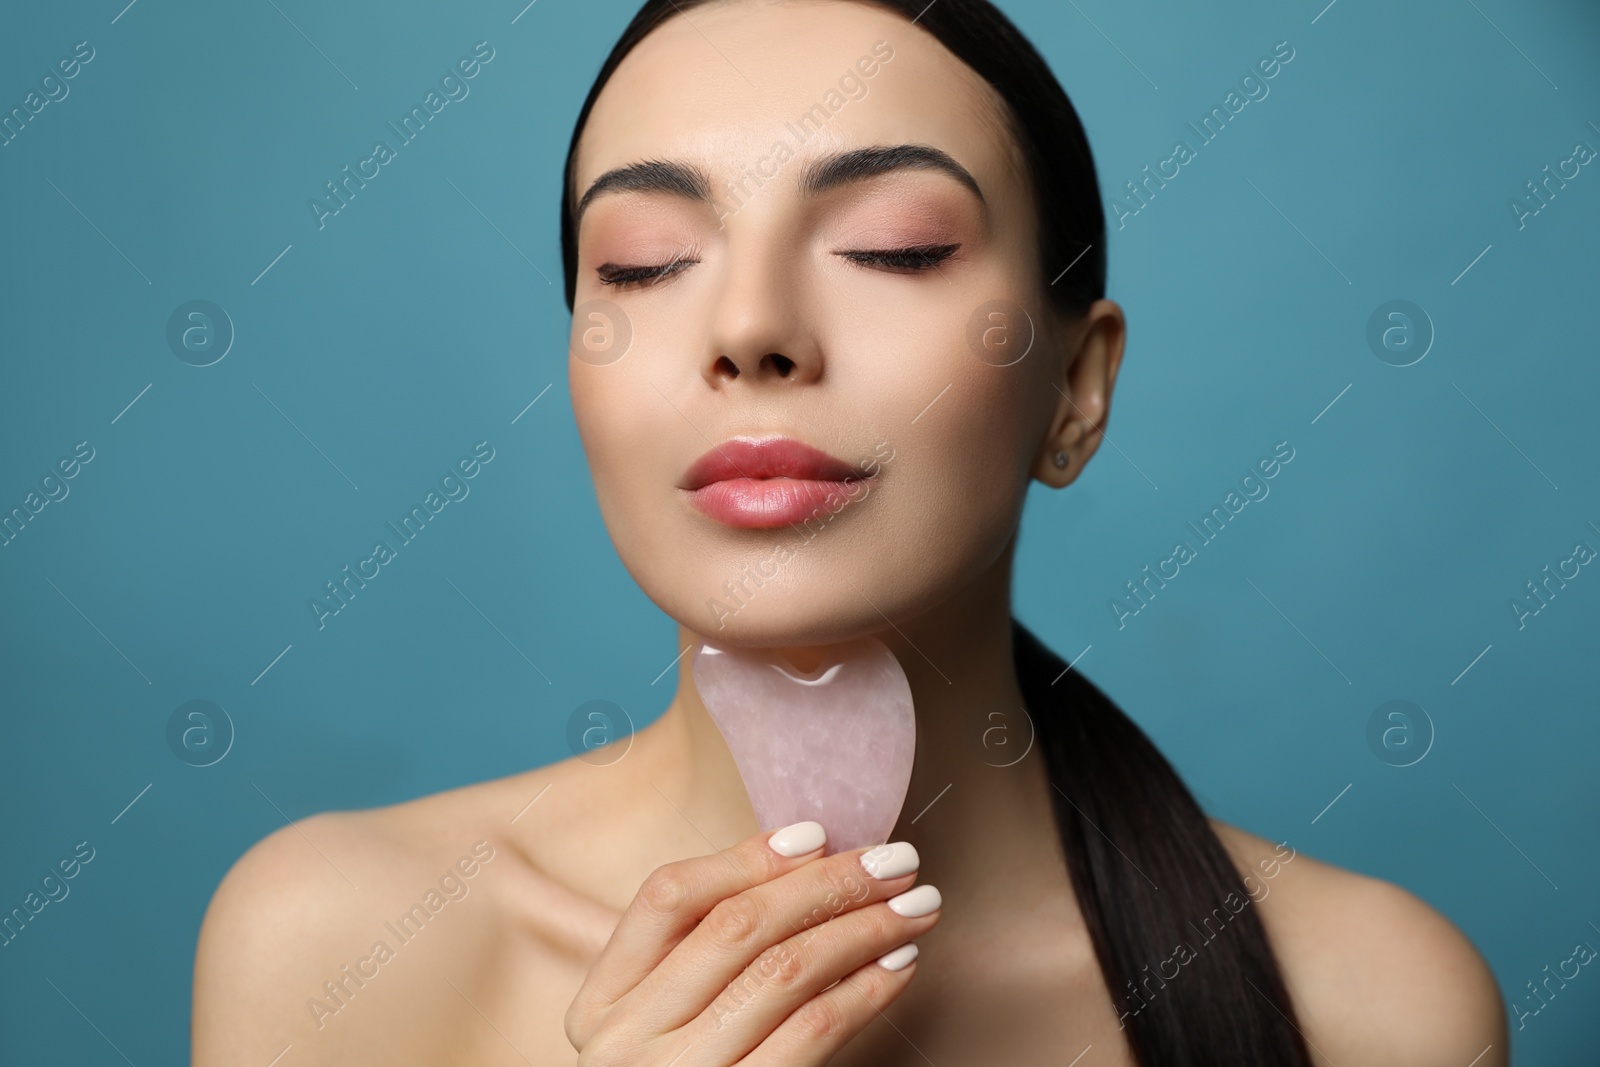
[
  {"x": 623, "y": 277},
  {"x": 911, "y": 260},
  {"x": 908, "y": 260}
]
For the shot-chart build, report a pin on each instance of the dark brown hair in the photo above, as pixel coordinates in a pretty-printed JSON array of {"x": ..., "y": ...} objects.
[{"x": 1147, "y": 869}]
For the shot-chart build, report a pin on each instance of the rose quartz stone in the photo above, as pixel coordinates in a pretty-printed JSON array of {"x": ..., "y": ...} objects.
[{"x": 834, "y": 745}]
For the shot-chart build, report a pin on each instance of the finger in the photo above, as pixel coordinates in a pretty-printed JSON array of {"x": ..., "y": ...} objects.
[
  {"x": 671, "y": 902},
  {"x": 816, "y": 1030},
  {"x": 739, "y": 929},
  {"x": 785, "y": 977}
]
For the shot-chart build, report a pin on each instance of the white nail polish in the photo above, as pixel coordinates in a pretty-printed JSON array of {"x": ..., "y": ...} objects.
[
  {"x": 798, "y": 839},
  {"x": 915, "y": 903},
  {"x": 897, "y": 959},
  {"x": 891, "y": 860}
]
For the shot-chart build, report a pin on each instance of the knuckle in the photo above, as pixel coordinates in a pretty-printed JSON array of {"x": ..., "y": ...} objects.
[
  {"x": 870, "y": 989},
  {"x": 882, "y": 925},
  {"x": 667, "y": 890},
  {"x": 763, "y": 864},
  {"x": 857, "y": 886},
  {"x": 837, "y": 889},
  {"x": 878, "y": 985},
  {"x": 782, "y": 967},
  {"x": 820, "y": 1019},
  {"x": 734, "y": 922},
  {"x": 847, "y": 883}
]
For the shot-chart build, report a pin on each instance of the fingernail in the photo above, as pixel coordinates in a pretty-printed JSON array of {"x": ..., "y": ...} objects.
[
  {"x": 915, "y": 903},
  {"x": 898, "y": 958},
  {"x": 798, "y": 839},
  {"x": 891, "y": 860}
]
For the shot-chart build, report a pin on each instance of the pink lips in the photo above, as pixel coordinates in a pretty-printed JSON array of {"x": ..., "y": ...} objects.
[{"x": 764, "y": 482}]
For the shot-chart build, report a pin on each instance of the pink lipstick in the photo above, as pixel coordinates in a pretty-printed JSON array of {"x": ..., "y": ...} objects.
[{"x": 768, "y": 481}]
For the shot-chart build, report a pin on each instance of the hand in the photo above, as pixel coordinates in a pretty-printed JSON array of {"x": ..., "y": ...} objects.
[{"x": 754, "y": 957}]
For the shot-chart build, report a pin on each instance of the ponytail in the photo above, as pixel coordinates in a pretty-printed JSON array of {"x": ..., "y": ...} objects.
[{"x": 1154, "y": 882}]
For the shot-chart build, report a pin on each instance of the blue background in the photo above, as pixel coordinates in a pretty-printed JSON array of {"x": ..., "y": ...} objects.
[{"x": 373, "y": 353}]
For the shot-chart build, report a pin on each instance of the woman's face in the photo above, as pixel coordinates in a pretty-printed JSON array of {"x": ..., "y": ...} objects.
[{"x": 767, "y": 308}]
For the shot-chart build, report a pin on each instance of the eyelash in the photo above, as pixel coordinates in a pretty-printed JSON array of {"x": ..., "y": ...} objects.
[
  {"x": 913, "y": 260},
  {"x": 624, "y": 277}
]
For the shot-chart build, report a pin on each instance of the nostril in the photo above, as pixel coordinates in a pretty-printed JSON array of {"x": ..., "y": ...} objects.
[
  {"x": 783, "y": 363},
  {"x": 728, "y": 367}
]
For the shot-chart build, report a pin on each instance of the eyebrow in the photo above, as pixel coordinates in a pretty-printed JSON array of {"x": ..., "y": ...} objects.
[{"x": 847, "y": 167}]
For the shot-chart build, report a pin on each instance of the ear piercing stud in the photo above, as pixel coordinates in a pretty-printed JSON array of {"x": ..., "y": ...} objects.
[{"x": 1062, "y": 459}]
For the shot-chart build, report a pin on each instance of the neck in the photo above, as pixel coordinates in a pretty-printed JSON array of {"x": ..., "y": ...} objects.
[{"x": 978, "y": 791}]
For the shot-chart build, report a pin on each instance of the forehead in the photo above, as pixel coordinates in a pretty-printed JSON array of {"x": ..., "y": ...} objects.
[{"x": 722, "y": 84}]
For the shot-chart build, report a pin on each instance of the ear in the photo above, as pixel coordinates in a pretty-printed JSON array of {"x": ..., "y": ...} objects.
[{"x": 1083, "y": 391}]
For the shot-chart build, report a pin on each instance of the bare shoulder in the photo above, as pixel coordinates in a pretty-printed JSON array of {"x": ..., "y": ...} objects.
[
  {"x": 382, "y": 935},
  {"x": 1378, "y": 975}
]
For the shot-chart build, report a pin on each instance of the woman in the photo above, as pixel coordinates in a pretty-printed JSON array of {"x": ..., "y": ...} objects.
[{"x": 874, "y": 230}]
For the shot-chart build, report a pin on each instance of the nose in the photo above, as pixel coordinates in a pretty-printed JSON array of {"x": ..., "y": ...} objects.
[
  {"x": 769, "y": 365},
  {"x": 759, "y": 333}
]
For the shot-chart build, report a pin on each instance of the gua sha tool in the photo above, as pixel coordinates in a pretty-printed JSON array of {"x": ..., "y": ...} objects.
[{"x": 834, "y": 744}]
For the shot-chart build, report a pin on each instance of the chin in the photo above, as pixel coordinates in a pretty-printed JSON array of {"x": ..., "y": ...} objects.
[
  {"x": 786, "y": 624},
  {"x": 820, "y": 596},
  {"x": 733, "y": 604},
  {"x": 876, "y": 567}
]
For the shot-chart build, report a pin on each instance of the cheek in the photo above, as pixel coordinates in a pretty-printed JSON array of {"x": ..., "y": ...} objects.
[
  {"x": 941, "y": 397},
  {"x": 956, "y": 498},
  {"x": 985, "y": 447},
  {"x": 618, "y": 417}
]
